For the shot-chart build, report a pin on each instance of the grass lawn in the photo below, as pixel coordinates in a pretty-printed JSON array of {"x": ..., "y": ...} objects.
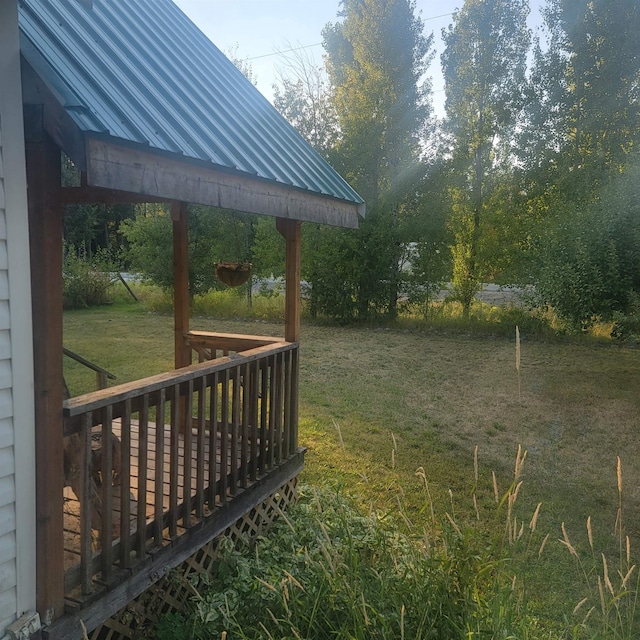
[{"x": 375, "y": 405}]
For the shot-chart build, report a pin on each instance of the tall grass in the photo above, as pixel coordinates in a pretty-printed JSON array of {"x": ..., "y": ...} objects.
[
  {"x": 610, "y": 606},
  {"x": 444, "y": 316},
  {"x": 228, "y": 304},
  {"x": 326, "y": 570}
]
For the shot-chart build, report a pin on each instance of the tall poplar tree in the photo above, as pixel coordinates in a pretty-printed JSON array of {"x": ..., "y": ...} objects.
[
  {"x": 586, "y": 112},
  {"x": 377, "y": 56},
  {"x": 583, "y": 137},
  {"x": 484, "y": 64}
]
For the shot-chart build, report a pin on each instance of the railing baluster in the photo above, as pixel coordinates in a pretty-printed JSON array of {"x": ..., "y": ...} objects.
[
  {"x": 86, "y": 505},
  {"x": 273, "y": 408},
  {"x": 295, "y": 390},
  {"x": 125, "y": 485},
  {"x": 187, "y": 490},
  {"x": 159, "y": 479},
  {"x": 253, "y": 419},
  {"x": 235, "y": 430},
  {"x": 279, "y": 405},
  {"x": 202, "y": 409},
  {"x": 213, "y": 442},
  {"x": 224, "y": 437},
  {"x": 143, "y": 447},
  {"x": 106, "y": 535},
  {"x": 264, "y": 408},
  {"x": 174, "y": 461},
  {"x": 286, "y": 437},
  {"x": 244, "y": 431}
]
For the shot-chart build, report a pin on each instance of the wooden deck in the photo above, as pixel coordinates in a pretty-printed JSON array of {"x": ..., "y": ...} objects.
[
  {"x": 177, "y": 488},
  {"x": 199, "y": 460}
]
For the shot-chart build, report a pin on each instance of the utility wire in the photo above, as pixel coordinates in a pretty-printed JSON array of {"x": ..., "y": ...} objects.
[{"x": 317, "y": 44}]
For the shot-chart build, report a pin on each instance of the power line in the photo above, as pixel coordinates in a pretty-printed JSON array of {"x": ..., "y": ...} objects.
[
  {"x": 317, "y": 44},
  {"x": 278, "y": 53}
]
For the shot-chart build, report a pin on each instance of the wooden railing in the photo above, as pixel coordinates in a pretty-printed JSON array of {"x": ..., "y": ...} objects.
[
  {"x": 208, "y": 345},
  {"x": 179, "y": 446},
  {"x": 102, "y": 375}
]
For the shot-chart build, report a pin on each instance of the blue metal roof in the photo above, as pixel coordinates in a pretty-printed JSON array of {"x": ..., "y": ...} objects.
[{"x": 141, "y": 71}]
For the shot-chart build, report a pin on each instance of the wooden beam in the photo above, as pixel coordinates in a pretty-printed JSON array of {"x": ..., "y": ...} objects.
[
  {"x": 179, "y": 216},
  {"x": 93, "y": 195},
  {"x": 291, "y": 230},
  {"x": 45, "y": 222},
  {"x": 131, "y": 168}
]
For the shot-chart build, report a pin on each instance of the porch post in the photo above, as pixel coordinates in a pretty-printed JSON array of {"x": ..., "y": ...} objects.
[
  {"x": 45, "y": 232},
  {"x": 180, "y": 282},
  {"x": 291, "y": 230}
]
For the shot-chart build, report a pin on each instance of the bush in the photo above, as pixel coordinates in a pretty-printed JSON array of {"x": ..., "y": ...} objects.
[
  {"x": 327, "y": 571},
  {"x": 590, "y": 263},
  {"x": 86, "y": 283}
]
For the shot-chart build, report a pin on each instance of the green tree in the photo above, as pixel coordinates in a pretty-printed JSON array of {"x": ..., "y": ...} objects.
[
  {"x": 428, "y": 263},
  {"x": 303, "y": 96},
  {"x": 581, "y": 140},
  {"x": 376, "y": 59},
  {"x": 215, "y": 235},
  {"x": 89, "y": 228},
  {"x": 590, "y": 263},
  {"x": 484, "y": 65},
  {"x": 585, "y": 115}
]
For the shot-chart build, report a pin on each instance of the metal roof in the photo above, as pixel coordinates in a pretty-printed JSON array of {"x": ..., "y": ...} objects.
[{"x": 140, "y": 71}]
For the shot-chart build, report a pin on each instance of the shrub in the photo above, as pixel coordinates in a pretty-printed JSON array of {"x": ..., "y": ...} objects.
[
  {"x": 327, "y": 571},
  {"x": 86, "y": 283}
]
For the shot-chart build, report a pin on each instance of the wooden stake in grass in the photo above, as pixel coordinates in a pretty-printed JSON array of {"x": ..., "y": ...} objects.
[
  {"x": 518, "y": 361},
  {"x": 337, "y": 426}
]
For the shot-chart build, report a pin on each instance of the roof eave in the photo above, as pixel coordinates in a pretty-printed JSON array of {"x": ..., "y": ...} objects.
[{"x": 112, "y": 165}]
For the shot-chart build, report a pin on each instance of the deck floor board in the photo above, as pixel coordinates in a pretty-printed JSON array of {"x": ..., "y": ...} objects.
[{"x": 72, "y": 505}]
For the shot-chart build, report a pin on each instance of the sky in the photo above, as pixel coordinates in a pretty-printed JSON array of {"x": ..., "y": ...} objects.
[{"x": 257, "y": 29}]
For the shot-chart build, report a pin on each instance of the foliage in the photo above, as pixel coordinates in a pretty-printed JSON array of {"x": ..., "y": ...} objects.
[
  {"x": 484, "y": 67},
  {"x": 90, "y": 227},
  {"x": 580, "y": 158},
  {"x": 86, "y": 281},
  {"x": 348, "y": 270},
  {"x": 327, "y": 571},
  {"x": 590, "y": 266},
  {"x": 376, "y": 59},
  {"x": 303, "y": 97},
  {"x": 243, "y": 66},
  {"x": 232, "y": 304},
  {"x": 610, "y": 608},
  {"x": 150, "y": 251},
  {"x": 268, "y": 250},
  {"x": 585, "y": 113},
  {"x": 425, "y": 263},
  {"x": 214, "y": 235}
]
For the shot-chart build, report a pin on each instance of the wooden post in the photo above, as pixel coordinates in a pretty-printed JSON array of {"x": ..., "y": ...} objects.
[
  {"x": 45, "y": 231},
  {"x": 291, "y": 230},
  {"x": 180, "y": 282},
  {"x": 179, "y": 216}
]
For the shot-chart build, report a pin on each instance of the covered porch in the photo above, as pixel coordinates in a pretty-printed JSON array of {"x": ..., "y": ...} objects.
[
  {"x": 196, "y": 449},
  {"x": 133, "y": 479},
  {"x": 153, "y": 469}
]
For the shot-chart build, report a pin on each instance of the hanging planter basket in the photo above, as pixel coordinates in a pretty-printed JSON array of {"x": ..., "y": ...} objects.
[{"x": 233, "y": 274}]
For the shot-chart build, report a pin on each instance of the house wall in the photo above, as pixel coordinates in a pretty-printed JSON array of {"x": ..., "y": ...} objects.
[{"x": 17, "y": 446}]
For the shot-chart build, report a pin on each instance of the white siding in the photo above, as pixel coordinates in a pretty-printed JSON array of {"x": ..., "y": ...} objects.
[
  {"x": 17, "y": 447},
  {"x": 8, "y": 570}
]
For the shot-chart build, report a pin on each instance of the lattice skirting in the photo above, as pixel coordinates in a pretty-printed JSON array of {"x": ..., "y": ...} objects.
[{"x": 170, "y": 594}]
